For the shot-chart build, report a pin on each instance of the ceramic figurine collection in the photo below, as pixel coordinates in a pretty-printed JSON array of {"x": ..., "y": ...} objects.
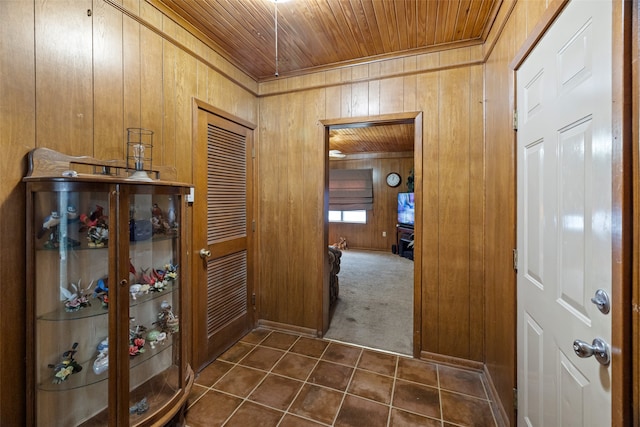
[
  {"x": 67, "y": 366},
  {"x": 95, "y": 225},
  {"x": 143, "y": 281},
  {"x": 139, "y": 336}
]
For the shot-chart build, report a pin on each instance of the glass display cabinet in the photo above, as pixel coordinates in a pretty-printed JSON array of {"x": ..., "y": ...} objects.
[{"x": 106, "y": 294}]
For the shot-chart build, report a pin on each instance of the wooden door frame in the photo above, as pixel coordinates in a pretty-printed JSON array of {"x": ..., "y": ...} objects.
[
  {"x": 625, "y": 231},
  {"x": 199, "y": 180},
  {"x": 414, "y": 118}
]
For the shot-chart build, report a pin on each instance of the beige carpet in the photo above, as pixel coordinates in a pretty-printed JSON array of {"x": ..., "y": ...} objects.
[{"x": 375, "y": 304}]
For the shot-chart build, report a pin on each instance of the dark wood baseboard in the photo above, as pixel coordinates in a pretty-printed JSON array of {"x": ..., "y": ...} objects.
[
  {"x": 283, "y": 327},
  {"x": 452, "y": 361}
]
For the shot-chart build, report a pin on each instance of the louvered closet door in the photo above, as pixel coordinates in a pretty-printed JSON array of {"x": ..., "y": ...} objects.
[{"x": 222, "y": 225}]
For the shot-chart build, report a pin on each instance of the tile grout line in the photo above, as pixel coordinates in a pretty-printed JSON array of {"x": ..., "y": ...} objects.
[
  {"x": 246, "y": 398},
  {"x": 393, "y": 390},
  {"x": 439, "y": 394},
  {"x": 237, "y": 363},
  {"x": 344, "y": 393},
  {"x": 304, "y": 382}
]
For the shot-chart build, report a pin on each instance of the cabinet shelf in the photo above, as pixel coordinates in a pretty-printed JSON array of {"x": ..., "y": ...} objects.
[
  {"x": 84, "y": 246},
  {"x": 96, "y": 308},
  {"x": 87, "y": 377},
  {"x": 158, "y": 390}
]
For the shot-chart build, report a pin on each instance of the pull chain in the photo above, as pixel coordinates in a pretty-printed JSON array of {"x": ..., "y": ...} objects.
[{"x": 275, "y": 14}]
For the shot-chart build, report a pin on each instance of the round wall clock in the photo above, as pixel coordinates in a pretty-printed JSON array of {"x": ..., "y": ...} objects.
[{"x": 393, "y": 179}]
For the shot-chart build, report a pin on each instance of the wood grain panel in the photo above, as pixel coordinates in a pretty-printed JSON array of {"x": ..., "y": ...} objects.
[
  {"x": 428, "y": 101},
  {"x": 17, "y": 137},
  {"x": 150, "y": 97},
  {"x": 109, "y": 133},
  {"x": 635, "y": 147},
  {"x": 313, "y": 226},
  {"x": 476, "y": 210},
  {"x": 500, "y": 225},
  {"x": 391, "y": 95},
  {"x": 168, "y": 147},
  {"x": 271, "y": 169},
  {"x": 132, "y": 75},
  {"x": 296, "y": 144},
  {"x": 453, "y": 248},
  {"x": 65, "y": 82},
  {"x": 186, "y": 89},
  {"x": 64, "y": 100}
]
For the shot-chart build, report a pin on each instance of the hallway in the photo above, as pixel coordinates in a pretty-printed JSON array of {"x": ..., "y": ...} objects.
[{"x": 272, "y": 378}]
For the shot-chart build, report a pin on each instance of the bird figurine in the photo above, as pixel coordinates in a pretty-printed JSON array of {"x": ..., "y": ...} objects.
[{"x": 49, "y": 222}]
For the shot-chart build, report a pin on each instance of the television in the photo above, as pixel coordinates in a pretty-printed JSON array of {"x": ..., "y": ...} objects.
[{"x": 406, "y": 209}]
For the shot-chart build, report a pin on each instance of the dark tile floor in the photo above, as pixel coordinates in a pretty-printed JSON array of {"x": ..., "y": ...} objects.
[{"x": 271, "y": 378}]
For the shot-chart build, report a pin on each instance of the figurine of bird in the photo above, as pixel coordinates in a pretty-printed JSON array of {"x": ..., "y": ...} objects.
[{"x": 49, "y": 222}]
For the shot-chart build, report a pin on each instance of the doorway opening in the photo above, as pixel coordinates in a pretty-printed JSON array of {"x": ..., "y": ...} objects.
[{"x": 378, "y": 301}]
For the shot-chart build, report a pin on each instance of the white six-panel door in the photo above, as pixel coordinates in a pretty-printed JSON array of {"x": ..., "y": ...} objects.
[{"x": 564, "y": 99}]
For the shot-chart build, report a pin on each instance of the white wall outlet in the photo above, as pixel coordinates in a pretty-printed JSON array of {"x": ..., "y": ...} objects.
[{"x": 384, "y": 234}]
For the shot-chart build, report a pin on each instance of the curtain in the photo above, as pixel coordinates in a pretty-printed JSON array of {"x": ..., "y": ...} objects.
[{"x": 350, "y": 189}]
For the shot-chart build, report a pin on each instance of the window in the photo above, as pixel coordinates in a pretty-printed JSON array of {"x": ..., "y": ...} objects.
[{"x": 357, "y": 217}]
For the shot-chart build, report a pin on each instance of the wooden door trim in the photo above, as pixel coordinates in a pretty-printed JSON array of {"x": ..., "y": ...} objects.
[
  {"x": 199, "y": 104},
  {"x": 409, "y": 117},
  {"x": 625, "y": 387}
]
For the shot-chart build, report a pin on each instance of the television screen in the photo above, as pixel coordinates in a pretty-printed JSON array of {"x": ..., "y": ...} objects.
[{"x": 406, "y": 208}]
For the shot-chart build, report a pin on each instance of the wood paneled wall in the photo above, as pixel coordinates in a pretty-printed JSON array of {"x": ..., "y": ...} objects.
[
  {"x": 74, "y": 74},
  {"x": 74, "y": 82},
  {"x": 384, "y": 216},
  {"x": 292, "y": 187},
  {"x": 500, "y": 204}
]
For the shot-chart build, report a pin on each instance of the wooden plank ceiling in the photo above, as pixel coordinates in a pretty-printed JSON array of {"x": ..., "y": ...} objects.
[
  {"x": 321, "y": 34},
  {"x": 386, "y": 138},
  {"x": 316, "y": 34}
]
